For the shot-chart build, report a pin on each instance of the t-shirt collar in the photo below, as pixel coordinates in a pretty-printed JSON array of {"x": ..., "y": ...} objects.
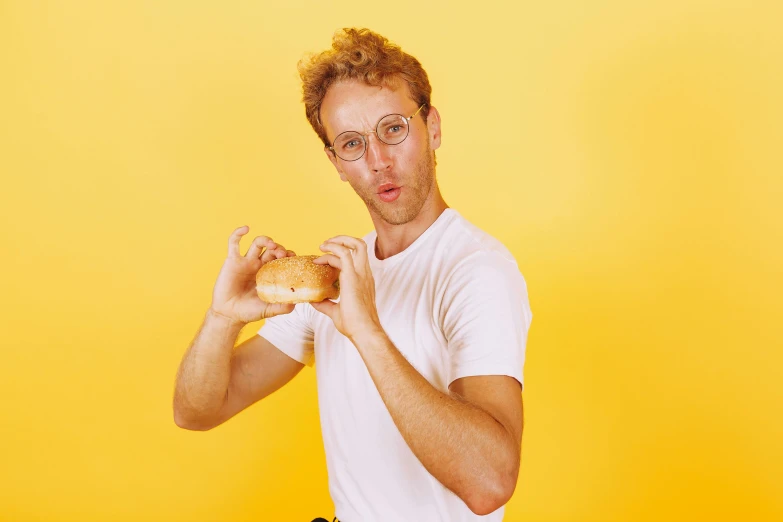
[{"x": 441, "y": 221}]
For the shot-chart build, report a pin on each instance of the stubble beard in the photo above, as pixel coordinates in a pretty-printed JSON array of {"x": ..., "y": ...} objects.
[{"x": 416, "y": 192}]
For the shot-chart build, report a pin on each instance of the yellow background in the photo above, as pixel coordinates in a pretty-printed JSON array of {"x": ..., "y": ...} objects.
[{"x": 628, "y": 153}]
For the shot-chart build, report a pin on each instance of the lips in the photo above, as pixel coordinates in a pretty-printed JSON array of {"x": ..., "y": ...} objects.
[
  {"x": 389, "y": 192},
  {"x": 386, "y": 187}
]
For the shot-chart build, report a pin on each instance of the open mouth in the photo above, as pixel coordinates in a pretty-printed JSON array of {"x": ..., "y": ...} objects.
[
  {"x": 387, "y": 187},
  {"x": 390, "y": 194}
]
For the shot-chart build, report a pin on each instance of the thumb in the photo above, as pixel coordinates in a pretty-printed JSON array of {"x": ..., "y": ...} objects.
[
  {"x": 326, "y": 307},
  {"x": 274, "y": 309}
]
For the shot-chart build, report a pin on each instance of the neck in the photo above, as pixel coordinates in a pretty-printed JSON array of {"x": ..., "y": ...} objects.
[{"x": 393, "y": 239}]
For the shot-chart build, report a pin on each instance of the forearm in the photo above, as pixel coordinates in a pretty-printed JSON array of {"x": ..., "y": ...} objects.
[
  {"x": 461, "y": 445},
  {"x": 205, "y": 371}
]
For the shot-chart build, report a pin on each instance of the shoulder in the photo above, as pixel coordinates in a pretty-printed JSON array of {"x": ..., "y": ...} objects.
[
  {"x": 472, "y": 249},
  {"x": 471, "y": 239},
  {"x": 485, "y": 272},
  {"x": 477, "y": 269}
]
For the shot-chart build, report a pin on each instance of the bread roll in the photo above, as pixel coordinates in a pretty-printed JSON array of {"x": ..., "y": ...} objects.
[{"x": 297, "y": 280}]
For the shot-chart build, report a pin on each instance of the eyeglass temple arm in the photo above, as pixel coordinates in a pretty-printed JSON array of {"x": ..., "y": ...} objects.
[{"x": 417, "y": 111}]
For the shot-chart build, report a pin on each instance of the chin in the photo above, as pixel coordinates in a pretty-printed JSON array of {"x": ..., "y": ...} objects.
[
  {"x": 397, "y": 219},
  {"x": 399, "y": 216}
]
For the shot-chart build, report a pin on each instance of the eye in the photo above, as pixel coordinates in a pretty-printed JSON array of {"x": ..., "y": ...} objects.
[
  {"x": 392, "y": 130},
  {"x": 349, "y": 142}
]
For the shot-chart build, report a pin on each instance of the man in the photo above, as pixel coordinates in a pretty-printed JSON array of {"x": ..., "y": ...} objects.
[{"x": 420, "y": 360}]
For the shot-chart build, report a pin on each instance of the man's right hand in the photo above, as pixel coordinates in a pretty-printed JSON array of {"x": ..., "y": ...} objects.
[{"x": 234, "y": 295}]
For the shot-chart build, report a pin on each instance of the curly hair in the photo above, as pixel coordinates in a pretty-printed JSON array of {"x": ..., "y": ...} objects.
[{"x": 362, "y": 55}]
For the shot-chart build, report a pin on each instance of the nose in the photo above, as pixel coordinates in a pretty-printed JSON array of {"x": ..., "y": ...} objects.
[{"x": 378, "y": 157}]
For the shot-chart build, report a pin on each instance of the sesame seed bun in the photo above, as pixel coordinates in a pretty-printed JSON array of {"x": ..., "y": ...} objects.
[{"x": 297, "y": 280}]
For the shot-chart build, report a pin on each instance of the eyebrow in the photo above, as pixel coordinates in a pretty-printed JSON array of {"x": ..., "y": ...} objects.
[{"x": 400, "y": 113}]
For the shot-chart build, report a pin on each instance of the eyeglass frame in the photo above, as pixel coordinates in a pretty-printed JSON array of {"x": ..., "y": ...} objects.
[{"x": 365, "y": 134}]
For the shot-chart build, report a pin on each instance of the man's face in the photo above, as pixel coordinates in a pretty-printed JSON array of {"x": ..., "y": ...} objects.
[{"x": 409, "y": 166}]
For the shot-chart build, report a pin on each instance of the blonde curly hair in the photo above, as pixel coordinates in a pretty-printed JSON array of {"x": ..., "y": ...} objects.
[{"x": 359, "y": 54}]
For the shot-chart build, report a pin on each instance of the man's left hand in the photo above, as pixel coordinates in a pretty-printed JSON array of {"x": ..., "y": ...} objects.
[{"x": 356, "y": 313}]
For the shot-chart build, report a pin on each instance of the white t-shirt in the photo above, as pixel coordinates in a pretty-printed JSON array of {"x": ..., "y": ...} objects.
[{"x": 455, "y": 304}]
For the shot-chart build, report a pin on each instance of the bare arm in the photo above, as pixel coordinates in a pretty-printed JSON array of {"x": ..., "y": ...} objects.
[
  {"x": 470, "y": 439},
  {"x": 216, "y": 381},
  {"x": 205, "y": 372}
]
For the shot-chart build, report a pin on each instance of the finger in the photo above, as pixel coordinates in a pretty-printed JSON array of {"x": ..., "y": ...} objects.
[
  {"x": 357, "y": 245},
  {"x": 329, "y": 259},
  {"x": 254, "y": 252},
  {"x": 278, "y": 309},
  {"x": 326, "y": 307},
  {"x": 233, "y": 240},
  {"x": 344, "y": 253},
  {"x": 290, "y": 253},
  {"x": 341, "y": 252},
  {"x": 272, "y": 253}
]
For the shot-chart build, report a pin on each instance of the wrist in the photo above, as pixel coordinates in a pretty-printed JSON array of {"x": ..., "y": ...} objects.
[
  {"x": 224, "y": 319},
  {"x": 368, "y": 336}
]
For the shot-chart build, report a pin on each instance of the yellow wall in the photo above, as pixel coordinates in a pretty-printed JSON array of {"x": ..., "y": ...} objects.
[{"x": 628, "y": 155}]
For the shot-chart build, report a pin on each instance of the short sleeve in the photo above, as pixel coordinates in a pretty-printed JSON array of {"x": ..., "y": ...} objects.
[
  {"x": 292, "y": 334},
  {"x": 485, "y": 317}
]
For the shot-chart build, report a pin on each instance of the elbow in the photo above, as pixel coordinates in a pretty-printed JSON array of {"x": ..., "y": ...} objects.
[
  {"x": 489, "y": 501},
  {"x": 490, "y": 496},
  {"x": 189, "y": 423}
]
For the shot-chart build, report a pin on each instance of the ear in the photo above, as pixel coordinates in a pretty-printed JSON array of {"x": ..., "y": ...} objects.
[
  {"x": 433, "y": 127},
  {"x": 333, "y": 159}
]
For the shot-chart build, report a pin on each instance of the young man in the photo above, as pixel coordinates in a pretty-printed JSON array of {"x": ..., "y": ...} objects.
[{"x": 420, "y": 361}]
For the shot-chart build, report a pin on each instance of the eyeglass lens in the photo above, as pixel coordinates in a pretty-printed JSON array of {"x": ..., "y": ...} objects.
[{"x": 392, "y": 129}]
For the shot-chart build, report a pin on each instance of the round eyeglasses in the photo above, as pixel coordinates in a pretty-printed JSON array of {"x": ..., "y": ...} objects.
[{"x": 392, "y": 129}]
